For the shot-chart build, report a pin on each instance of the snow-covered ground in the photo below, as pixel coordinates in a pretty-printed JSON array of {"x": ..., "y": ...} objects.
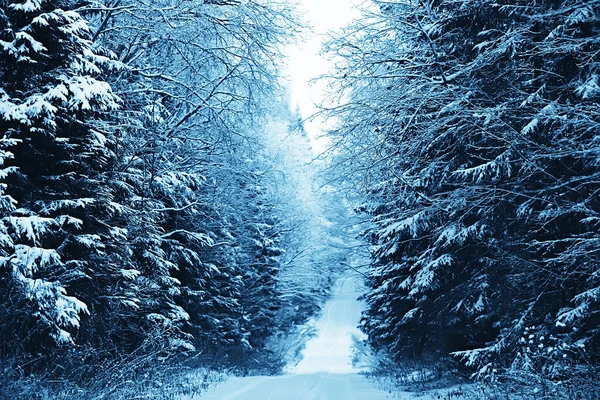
[
  {"x": 326, "y": 371},
  {"x": 331, "y": 350},
  {"x": 315, "y": 386}
]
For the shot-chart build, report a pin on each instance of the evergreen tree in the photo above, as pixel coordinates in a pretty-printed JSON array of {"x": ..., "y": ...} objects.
[
  {"x": 61, "y": 220},
  {"x": 195, "y": 91},
  {"x": 470, "y": 125}
]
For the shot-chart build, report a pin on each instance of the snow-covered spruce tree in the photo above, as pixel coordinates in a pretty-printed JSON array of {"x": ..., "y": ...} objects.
[
  {"x": 471, "y": 128},
  {"x": 195, "y": 242},
  {"x": 66, "y": 252},
  {"x": 257, "y": 232},
  {"x": 229, "y": 274}
]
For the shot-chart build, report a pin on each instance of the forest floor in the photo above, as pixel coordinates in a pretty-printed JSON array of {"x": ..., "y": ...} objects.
[{"x": 326, "y": 371}]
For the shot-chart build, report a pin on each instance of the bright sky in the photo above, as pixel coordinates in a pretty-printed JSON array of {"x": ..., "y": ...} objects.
[{"x": 305, "y": 62}]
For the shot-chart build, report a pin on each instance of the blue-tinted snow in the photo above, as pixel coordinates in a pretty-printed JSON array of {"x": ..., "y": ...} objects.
[
  {"x": 321, "y": 386},
  {"x": 326, "y": 371},
  {"x": 331, "y": 350}
]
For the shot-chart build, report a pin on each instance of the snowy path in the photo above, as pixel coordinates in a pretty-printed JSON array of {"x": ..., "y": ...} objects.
[
  {"x": 316, "y": 386},
  {"x": 331, "y": 350},
  {"x": 325, "y": 372}
]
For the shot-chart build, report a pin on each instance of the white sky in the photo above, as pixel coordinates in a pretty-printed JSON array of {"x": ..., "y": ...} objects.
[{"x": 305, "y": 63}]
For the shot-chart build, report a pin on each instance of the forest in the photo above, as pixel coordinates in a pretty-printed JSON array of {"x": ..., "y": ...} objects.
[{"x": 162, "y": 206}]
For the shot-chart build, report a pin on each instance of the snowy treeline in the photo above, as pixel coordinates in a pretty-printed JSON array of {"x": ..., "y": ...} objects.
[
  {"x": 137, "y": 218},
  {"x": 471, "y": 129}
]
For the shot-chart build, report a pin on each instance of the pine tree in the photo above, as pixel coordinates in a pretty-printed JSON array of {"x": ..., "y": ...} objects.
[
  {"x": 471, "y": 127},
  {"x": 61, "y": 217},
  {"x": 199, "y": 89}
]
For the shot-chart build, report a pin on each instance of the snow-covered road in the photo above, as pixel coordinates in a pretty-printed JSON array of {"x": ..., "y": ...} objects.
[
  {"x": 326, "y": 371},
  {"x": 331, "y": 350},
  {"x": 315, "y": 386}
]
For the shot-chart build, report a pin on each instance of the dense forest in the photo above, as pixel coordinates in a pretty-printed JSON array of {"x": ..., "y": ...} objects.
[
  {"x": 139, "y": 223},
  {"x": 471, "y": 130},
  {"x": 155, "y": 222}
]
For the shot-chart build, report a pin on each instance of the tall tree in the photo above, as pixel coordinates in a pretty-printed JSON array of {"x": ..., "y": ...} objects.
[
  {"x": 61, "y": 219},
  {"x": 470, "y": 129},
  {"x": 197, "y": 78}
]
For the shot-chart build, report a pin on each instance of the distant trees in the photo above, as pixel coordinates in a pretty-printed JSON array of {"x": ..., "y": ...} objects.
[
  {"x": 197, "y": 78},
  {"x": 470, "y": 129}
]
